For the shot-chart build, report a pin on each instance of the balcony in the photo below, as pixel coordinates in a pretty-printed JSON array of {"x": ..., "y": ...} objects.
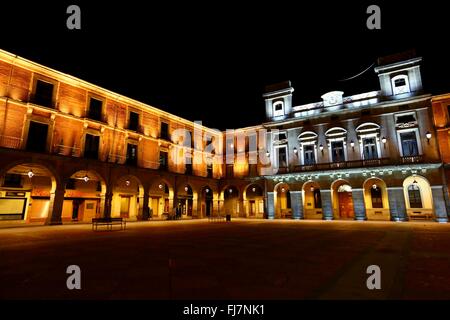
[
  {"x": 344, "y": 165},
  {"x": 10, "y": 142},
  {"x": 411, "y": 159}
]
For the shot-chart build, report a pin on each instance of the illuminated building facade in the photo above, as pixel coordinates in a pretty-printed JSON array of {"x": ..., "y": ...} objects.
[
  {"x": 370, "y": 156},
  {"x": 71, "y": 151}
]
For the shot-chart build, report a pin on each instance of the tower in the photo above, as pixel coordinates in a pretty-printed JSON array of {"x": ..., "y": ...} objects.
[{"x": 278, "y": 99}]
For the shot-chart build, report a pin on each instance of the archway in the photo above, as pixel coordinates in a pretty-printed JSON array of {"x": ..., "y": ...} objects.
[
  {"x": 127, "y": 199},
  {"x": 84, "y": 196},
  {"x": 312, "y": 200},
  {"x": 376, "y": 199},
  {"x": 342, "y": 199},
  {"x": 27, "y": 192},
  {"x": 282, "y": 201},
  {"x": 185, "y": 205},
  {"x": 160, "y": 199},
  {"x": 254, "y": 201},
  {"x": 231, "y": 200},
  {"x": 418, "y": 197}
]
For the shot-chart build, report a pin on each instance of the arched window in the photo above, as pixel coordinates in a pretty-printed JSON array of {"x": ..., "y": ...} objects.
[
  {"x": 400, "y": 84},
  {"x": 377, "y": 200},
  {"x": 278, "y": 109},
  {"x": 415, "y": 200}
]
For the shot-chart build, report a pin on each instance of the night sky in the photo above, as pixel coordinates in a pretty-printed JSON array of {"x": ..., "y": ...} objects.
[{"x": 211, "y": 61}]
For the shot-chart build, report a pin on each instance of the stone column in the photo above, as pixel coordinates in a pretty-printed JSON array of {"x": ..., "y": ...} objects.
[
  {"x": 440, "y": 209},
  {"x": 296, "y": 204},
  {"x": 270, "y": 205},
  {"x": 327, "y": 208},
  {"x": 108, "y": 202},
  {"x": 359, "y": 207},
  {"x": 397, "y": 204},
  {"x": 144, "y": 211},
  {"x": 55, "y": 207}
]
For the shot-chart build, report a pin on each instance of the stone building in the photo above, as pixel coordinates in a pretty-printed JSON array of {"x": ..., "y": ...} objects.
[{"x": 71, "y": 151}]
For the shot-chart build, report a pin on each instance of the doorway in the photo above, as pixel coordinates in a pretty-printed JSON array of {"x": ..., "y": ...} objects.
[
  {"x": 345, "y": 205},
  {"x": 124, "y": 207}
]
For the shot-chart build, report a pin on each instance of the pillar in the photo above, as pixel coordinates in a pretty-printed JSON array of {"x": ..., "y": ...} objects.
[
  {"x": 144, "y": 212},
  {"x": 270, "y": 205},
  {"x": 359, "y": 207},
  {"x": 327, "y": 208},
  {"x": 440, "y": 209},
  {"x": 108, "y": 202},
  {"x": 397, "y": 204},
  {"x": 296, "y": 204},
  {"x": 55, "y": 207}
]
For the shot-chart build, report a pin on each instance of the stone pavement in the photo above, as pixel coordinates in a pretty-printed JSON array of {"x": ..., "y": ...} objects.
[{"x": 244, "y": 259}]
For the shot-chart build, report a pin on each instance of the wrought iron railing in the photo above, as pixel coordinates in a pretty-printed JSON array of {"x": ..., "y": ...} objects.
[{"x": 10, "y": 142}]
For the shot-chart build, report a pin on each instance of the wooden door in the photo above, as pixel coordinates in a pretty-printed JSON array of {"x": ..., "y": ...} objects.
[{"x": 345, "y": 205}]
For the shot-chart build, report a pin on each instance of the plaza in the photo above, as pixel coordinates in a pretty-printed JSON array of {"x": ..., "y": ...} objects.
[{"x": 242, "y": 259}]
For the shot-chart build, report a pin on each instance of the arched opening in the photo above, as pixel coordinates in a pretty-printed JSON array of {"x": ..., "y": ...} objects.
[
  {"x": 254, "y": 201},
  {"x": 376, "y": 199},
  {"x": 231, "y": 200},
  {"x": 85, "y": 190},
  {"x": 185, "y": 205},
  {"x": 418, "y": 197},
  {"x": 160, "y": 200},
  {"x": 207, "y": 201},
  {"x": 312, "y": 200},
  {"x": 342, "y": 199},
  {"x": 282, "y": 201},
  {"x": 128, "y": 196},
  {"x": 26, "y": 193}
]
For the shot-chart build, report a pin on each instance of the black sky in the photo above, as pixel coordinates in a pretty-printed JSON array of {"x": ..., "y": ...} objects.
[{"x": 210, "y": 61}]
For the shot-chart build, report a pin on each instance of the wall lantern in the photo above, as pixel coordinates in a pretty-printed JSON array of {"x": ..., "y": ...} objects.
[
  {"x": 295, "y": 150},
  {"x": 207, "y": 190},
  {"x": 186, "y": 188},
  {"x": 267, "y": 154},
  {"x": 374, "y": 187},
  {"x": 312, "y": 189},
  {"x": 86, "y": 178},
  {"x": 230, "y": 190},
  {"x": 254, "y": 189},
  {"x": 127, "y": 182},
  {"x": 428, "y": 135},
  {"x": 352, "y": 144},
  {"x": 30, "y": 174},
  {"x": 160, "y": 186},
  {"x": 282, "y": 189},
  {"x": 321, "y": 147},
  {"x": 384, "y": 140}
]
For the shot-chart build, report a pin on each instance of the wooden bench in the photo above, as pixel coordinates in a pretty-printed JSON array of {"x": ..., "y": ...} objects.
[{"x": 108, "y": 222}]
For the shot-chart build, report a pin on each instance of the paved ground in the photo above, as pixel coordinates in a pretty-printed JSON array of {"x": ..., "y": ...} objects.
[{"x": 238, "y": 260}]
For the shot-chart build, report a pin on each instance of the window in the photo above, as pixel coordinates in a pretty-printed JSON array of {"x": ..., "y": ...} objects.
[
  {"x": 133, "y": 122},
  {"x": 282, "y": 157},
  {"x": 278, "y": 109},
  {"x": 43, "y": 94},
  {"x": 337, "y": 151},
  {"x": 131, "y": 154},
  {"x": 188, "y": 164},
  {"x": 377, "y": 201},
  {"x": 163, "y": 160},
  {"x": 415, "y": 200},
  {"x": 308, "y": 154},
  {"x": 91, "y": 146},
  {"x": 37, "y": 137},
  {"x": 95, "y": 109},
  {"x": 370, "y": 149},
  {"x": 209, "y": 170},
  {"x": 279, "y": 136},
  {"x": 230, "y": 171},
  {"x": 13, "y": 180},
  {"x": 409, "y": 144},
  {"x": 400, "y": 84},
  {"x": 317, "y": 199},
  {"x": 164, "y": 131}
]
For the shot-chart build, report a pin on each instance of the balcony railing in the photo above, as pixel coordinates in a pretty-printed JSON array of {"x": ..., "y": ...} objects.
[
  {"x": 10, "y": 142},
  {"x": 411, "y": 159},
  {"x": 345, "y": 165}
]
